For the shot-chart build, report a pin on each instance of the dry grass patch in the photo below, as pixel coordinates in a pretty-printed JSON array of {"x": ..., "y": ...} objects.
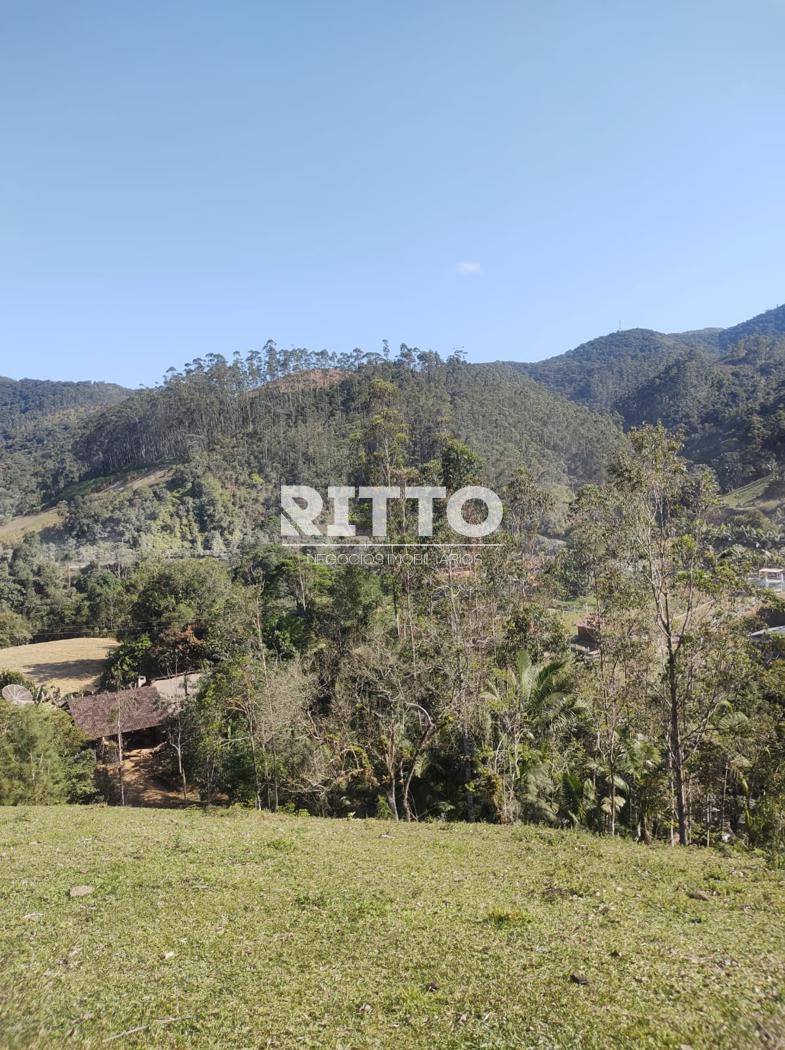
[
  {"x": 16, "y": 529},
  {"x": 71, "y": 664}
]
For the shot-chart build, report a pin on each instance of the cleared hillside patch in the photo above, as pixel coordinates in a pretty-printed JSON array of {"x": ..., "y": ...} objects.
[
  {"x": 126, "y": 481},
  {"x": 69, "y": 664},
  {"x": 766, "y": 494},
  {"x": 15, "y": 529},
  {"x": 139, "y": 928}
]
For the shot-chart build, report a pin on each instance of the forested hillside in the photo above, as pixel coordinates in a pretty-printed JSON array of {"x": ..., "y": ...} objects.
[
  {"x": 232, "y": 431},
  {"x": 724, "y": 389},
  {"x": 548, "y": 681},
  {"x": 306, "y": 429},
  {"x": 411, "y": 689},
  {"x": 218, "y": 436},
  {"x": 23, "y": 400},
  {"x": 771, "y": 324},
  {"x": 604, "y": 371},
  {"x": 731, "y": 409},
  {"x": 39, "y": 420}
]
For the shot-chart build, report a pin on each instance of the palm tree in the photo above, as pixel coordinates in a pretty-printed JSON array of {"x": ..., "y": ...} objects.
[{"x": 527, "y": 707}]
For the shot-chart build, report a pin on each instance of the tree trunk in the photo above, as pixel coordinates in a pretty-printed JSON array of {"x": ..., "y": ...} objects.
[
  {"x": 391, "y": 800},
  {"x": 275, "y": 779},
  {"x": 255, "y": 761},
  {"x": 467, "y": 777},
  {"x": 677, "y": 756},
  {"x": 120, "y": 767}
]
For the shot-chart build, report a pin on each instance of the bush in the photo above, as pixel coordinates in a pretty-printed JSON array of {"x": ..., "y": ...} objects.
[
  {"x": 767, "y": 826},
  {"x": 14, "y": 629},
  {"x": 42, "y": 757}
]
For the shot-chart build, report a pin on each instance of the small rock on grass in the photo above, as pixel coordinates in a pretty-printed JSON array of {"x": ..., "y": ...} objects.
[{"x": 80, "y": 891}]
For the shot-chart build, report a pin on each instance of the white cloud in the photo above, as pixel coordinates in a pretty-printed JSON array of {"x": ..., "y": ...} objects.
[{"x": 469, "y": 267}]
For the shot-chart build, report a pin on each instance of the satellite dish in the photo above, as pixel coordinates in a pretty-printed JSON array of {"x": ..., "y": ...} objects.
[{"x": 17, "y": 694}]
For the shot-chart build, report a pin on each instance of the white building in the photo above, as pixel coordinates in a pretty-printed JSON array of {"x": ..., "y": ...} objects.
[{"x": 771, "y": 579}]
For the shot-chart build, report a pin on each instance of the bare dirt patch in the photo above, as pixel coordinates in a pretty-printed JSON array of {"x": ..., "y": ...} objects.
[{"x": 144, "y": 782}]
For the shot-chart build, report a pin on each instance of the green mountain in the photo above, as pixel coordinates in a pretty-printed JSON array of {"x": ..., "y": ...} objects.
[
  {"x": 24, "y": 400},
  {"x": 197, "y": 461},
  {"x": 603, "y": 372},
  {"x": 284, "y": 429},
  {"x": 228, "y": 433},
  {"x": 39, "y": 420},
  {"x": 770, "y": 324},
  {"x": 724, "y": 389}
]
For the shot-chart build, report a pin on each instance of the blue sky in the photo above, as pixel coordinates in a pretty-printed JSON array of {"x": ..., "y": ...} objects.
[{"x": 510, "y": 178}]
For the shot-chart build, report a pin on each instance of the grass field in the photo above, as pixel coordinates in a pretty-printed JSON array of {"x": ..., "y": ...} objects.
[
  {"x": 765, "y": 494},
  {"x": 70, "y": 664},
  {"x": 15, "y": 529},
  {"x": 235, "y": 929}
]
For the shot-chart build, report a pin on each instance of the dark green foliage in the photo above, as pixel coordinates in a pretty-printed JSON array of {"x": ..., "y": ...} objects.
[
  {"x": 130, "y": 661},
  {"x": 233, "y": 434},
  {"x": 770, "y": 324},
  {"x": 176, "y": 617},
  {"x": 301, "y": 427},
  {"x": 38, "y": 422},
  {"x": 14, "y": 629},
  {"x": 418, "y": 691},
  {"x": 724, "y": 390},
  {"x": 34, "y": 586},
  {"x": 27, "y": 399},
  {"x": 432, "y": 691}
]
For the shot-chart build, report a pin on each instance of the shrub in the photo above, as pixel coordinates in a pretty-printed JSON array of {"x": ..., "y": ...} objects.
[
  {"x": 42, "y": 757},
  {"x": 14, "y": 629},
  {"x": 767, "y": 826}
]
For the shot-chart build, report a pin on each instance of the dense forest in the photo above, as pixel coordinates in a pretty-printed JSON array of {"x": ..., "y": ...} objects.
[
  {"x": 277, "y": 413},
  {"x": 606, "y": 370},
  {"x": 39, "y": 420},
  {"x": 26, "y": 399}
]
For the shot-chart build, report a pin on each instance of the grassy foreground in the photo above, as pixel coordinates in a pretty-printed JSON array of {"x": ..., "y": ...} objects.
[{"x": 235, "y": 929}]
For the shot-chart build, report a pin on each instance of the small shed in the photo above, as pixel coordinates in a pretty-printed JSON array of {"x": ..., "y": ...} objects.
[
  {"x": 772, "y": 579},
  {"x": 588, "y": 631}
]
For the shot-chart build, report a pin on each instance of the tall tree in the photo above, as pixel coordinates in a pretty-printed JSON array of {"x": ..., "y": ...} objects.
[{"x": 662, "y": 555}]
